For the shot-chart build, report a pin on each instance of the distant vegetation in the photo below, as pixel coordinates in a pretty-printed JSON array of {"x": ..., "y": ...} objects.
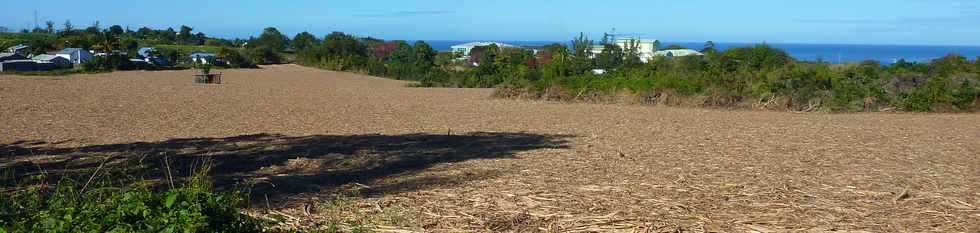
[
  {"x": 121, "y": 44},
  {"x": 749, "y": 77}
]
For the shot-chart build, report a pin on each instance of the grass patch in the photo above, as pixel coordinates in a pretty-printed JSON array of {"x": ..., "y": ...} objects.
[{"x": 34, "y": 205}]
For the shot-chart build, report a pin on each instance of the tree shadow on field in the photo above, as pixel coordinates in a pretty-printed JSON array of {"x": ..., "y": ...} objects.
[{"x": 277, "y": 165}]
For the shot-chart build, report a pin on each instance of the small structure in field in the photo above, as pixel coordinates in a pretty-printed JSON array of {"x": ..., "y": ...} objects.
[
  {"x": 206, "y": 77},
  {"x": 203, "y": 58},
  {"x": 75, "y": 55}
]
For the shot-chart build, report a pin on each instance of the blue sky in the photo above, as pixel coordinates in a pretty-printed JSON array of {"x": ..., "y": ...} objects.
[{"x": 927, "y": 22}]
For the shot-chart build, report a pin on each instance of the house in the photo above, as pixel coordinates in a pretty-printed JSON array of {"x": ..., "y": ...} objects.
[
  {"x": 158, "y": 61},
  {"x": 677, "y": 53},
  {"x": 146, "y": 52},
  {"x": 103, "y": 54},
  {"x": 149, "y": 55},
  {"x": 645, "y": 48},
  {"x": 17, "y": 62},
  {"x": 137, "y": 61},
  {"x": 596, "y": 49},
  {"x": 19, "y": 49},
  {"x": 58, "y": 61},
  {"x": 75, "y": 55},
  {"x": 203, "y": 58},
  {"x": 11, "y": 56},
  {"x": 463, "y": 50},
  {"x": 26, "y": 65}
]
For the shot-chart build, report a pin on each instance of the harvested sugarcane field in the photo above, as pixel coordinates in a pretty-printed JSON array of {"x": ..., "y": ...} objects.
[{"x": 315, "y": 149}]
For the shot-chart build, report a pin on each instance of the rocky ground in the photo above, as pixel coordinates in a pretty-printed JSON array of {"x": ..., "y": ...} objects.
[{"x": 450, "y": 160}]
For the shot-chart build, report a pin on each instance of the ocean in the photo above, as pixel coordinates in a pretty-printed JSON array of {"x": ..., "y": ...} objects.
[{"x": 834, "y": 53}]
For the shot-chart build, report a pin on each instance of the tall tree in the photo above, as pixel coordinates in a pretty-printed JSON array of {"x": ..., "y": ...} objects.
[
  {"x": 185, "y": 36},
  {"x": 611, "y": 57},
  {"x": 144, "y": 32},
  {"x": 50, "y": 26},
  {"x": 199, "y": 38},
  {"x": 107, "y": 42},
  {"x": 631, "y": 54},
  {"x": 169, "y": 36},
  {"x": 582, "y": 46},
  {"x": 582, "y": 54},
  {"x": 339, "y": 43},
  {"x": 68, "y": 27},
  {"x": 116, "y": 30},
  {"x": 424, "y": 54},
  {"x": 274, "y": 39},
  {"x": 304, "y": 40}
]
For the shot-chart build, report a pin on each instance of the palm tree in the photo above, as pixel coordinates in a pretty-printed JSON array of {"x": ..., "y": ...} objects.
[{"x": 107, "y": 42}]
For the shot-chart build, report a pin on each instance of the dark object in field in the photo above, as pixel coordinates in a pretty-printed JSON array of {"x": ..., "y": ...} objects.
[{"x": 207, "y": 78}]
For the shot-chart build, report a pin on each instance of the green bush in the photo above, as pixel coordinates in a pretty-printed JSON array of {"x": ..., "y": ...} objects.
[
  {"x": 762, "y": 74},
  {"x": 264, "y": 55},
  {"x": 110, "y": 62},
  {"x": 235, "y": 59},
  {"x": 965, "y": 97},
  {"x": 941, "y": 94},
  {"x": 66, "y": 208}
]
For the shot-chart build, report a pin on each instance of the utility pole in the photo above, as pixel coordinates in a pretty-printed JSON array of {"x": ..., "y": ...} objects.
[{"x": 35, "y": 20}]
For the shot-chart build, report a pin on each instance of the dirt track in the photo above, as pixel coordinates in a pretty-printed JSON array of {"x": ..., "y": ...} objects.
[{"x": 525, "y": 165}]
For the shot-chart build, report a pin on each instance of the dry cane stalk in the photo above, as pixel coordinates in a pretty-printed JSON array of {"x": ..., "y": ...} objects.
[{"x": 96, "y": 173}]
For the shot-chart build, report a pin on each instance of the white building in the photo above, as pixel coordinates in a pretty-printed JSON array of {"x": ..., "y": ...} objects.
[
  {"x": 203, "y": 58},
  {"x": 464, "y": 49},
  {"x": 74, "y": 55},
  {"x": 19, "y": 49},
  {"x": 677, "y": 53},
  {"x": 58, "y": 61},
  {"x": 645, "y": 47}
]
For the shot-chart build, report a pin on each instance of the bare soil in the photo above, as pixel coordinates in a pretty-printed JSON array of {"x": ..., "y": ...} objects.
[{"x": 451, "y": 160}]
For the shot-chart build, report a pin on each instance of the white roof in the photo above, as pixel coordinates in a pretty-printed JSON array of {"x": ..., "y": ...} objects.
[
  {"x": 627, "y": 39},
  {"x": 44, "y": 57},
  {"x": 70, "y": 51},
  {"x": 475, "y": 44},
  {"x": 18, "y": 47},
  {"x": 678, "y": 53}
]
